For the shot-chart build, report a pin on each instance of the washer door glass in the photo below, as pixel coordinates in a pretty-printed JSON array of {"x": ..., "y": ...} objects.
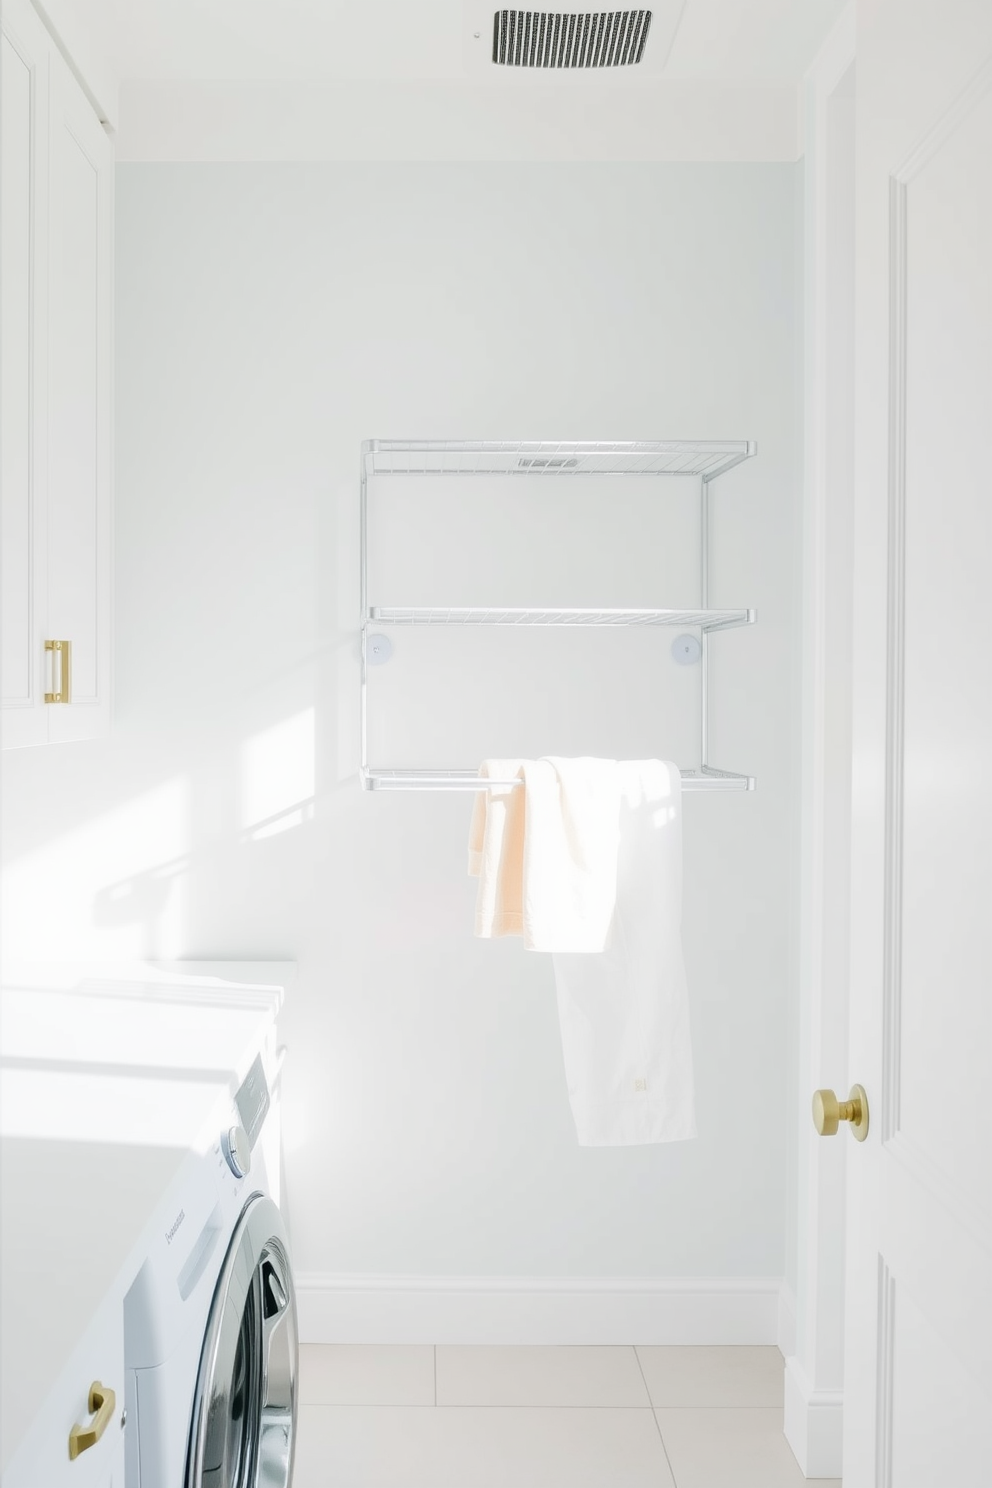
[{"x": 244, "y": 1410}]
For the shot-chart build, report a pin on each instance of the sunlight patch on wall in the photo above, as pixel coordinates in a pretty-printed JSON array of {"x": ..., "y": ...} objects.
[{"x": 277, "y": 777}]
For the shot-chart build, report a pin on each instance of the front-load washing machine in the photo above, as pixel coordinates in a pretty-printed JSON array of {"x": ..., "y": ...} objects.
[{"x": 210, "y": 1330}]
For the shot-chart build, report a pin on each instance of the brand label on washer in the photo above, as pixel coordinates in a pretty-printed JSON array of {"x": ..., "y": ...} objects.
[{"x": 170, "y": 1233}]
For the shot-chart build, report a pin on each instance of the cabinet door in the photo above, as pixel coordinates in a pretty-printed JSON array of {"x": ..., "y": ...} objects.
[
  {"x": 24, "y": 81},
  {"x": 116, "y": 1476},
  {"x": 79, "y": 392},
  {"x": 42, "y": 1428}
]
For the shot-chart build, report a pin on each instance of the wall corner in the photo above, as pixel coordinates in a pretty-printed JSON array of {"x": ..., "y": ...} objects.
[{"x": 814, "y": 1424}]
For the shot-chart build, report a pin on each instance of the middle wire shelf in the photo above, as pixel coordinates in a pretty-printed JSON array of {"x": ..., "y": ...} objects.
[
  {"x": 704, "y": 620},
  {"x": 705, "y": 779}
]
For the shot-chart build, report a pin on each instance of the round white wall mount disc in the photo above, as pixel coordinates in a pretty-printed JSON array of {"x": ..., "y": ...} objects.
[
  {"x": 687, "y": 649},
  {"x": 378, "y": 650}
]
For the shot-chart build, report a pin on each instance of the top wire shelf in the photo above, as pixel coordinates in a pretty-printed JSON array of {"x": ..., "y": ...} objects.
[
  {"x": 707, "y": 458},
  {"x": 705, "y": 620}
]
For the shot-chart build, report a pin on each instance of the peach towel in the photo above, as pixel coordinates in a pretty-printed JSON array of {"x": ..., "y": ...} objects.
[
  {"x": 545, "y": 853},
  {"x": 496, "y": 851}
]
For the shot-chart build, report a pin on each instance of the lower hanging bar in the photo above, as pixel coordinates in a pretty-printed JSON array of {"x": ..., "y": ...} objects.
[{"x": 707, "y": 779}]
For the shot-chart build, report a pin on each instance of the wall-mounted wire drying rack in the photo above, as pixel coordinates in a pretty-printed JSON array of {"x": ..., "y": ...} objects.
[{"x": 705, "y": 459}]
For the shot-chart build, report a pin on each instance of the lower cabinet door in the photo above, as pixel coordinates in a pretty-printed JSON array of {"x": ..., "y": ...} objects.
[
  {"x": 95, "y": 1442},
  {"x": 73, "y": 1437},
  {"x": 116, "y": 1479}
]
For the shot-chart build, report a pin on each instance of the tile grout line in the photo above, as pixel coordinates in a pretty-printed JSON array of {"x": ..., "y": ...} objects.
[
  {"x": 654, "y": 1415},
  {"x": 516, "y": 1406}
]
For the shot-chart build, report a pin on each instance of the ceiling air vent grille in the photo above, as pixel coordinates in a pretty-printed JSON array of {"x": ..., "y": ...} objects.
[
  {"x": 553, "y": 464},
  {"x": 551, "y": 38}
]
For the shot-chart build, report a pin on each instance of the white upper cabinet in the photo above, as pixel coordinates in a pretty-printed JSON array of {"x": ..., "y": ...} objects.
[
  {"x": 56, "y": 206},
  {"x": 24, "y": 54},
  {"x": 81, "y": 183}
]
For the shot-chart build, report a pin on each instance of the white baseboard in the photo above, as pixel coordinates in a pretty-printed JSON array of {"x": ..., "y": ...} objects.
[
  {"x": 814, "y": 1424},
  {"x": 536, "y": 1309},
  {"x": 786, "y": 1334}
]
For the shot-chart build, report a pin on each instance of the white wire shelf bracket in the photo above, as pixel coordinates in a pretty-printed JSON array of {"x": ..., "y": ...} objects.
[
  {"x": 704, "y": 620},
  {"x": 705, "y": 779},
  {"x": 702, "y": 459},
  {"x": 706, "y": 458}
]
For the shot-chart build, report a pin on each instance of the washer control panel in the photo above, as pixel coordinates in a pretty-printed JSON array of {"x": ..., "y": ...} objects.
[
  {"x": 237, "y": 1150},
  {"x": 252, "y": 1100}
]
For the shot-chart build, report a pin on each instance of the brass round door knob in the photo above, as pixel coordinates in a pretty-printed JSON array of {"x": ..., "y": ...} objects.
[{"x": 829, "y": 1112}]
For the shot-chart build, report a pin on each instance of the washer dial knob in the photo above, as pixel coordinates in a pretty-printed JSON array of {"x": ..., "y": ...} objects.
[{"x": 237, "y": 1150}]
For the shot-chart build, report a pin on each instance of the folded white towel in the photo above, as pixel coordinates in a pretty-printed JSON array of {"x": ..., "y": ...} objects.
[
  {"x": 571, "y": 837},
  {"x": 624, "y": 1013}
]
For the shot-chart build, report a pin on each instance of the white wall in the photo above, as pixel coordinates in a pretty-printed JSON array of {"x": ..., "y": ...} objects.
[
  {"x": 84, "y": 30},
  {"x": 405, "y": 118},
  {"x": 268, "y": 319}
]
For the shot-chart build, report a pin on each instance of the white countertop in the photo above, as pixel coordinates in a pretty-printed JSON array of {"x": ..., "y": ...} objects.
[{"x": 111, "y": 1077}]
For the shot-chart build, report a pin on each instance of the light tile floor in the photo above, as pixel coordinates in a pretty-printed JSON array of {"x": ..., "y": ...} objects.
[{"x": 453, "y": 1417}]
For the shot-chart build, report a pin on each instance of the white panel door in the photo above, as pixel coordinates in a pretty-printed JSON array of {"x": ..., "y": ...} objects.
[
  {"x": 918, "y": 1369},
  {"x": 24, "y": 56},
  {"x": 79, "y": 410}
]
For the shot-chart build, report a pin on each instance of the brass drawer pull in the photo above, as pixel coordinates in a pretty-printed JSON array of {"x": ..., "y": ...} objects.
[
  {"x": 103, "y": 1401},
  {"x": 61, "y": 652}
]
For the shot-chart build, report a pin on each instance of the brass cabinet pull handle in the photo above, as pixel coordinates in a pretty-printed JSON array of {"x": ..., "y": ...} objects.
[
  {"x": 103, "y": 1401},
  {"x": 62, "y": 651}
]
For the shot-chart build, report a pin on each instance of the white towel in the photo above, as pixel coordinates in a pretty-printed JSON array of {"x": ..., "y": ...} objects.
[
  {"x": 571, "y": 838},
  {"x": 624, "y": 1013}
]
